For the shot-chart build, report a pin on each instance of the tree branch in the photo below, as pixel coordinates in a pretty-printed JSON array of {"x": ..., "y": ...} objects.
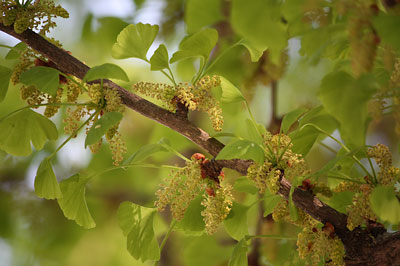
[{"x": 360, "y": 244}]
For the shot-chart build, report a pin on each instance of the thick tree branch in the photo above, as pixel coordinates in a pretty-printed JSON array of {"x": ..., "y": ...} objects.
[{"x": 361, "y": 245}]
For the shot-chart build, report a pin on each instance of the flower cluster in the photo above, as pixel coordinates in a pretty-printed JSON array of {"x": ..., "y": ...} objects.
[
  {"x": 360, "y": 211},
  {"x": 193, "y": 97},
  {"x": 318, "y": 244},
  {"x": 186, "y": 183},
  {"x": 38, "y": 15},
  {"x": 280, "y": 160},
  {"x": 362, "y": 36},
  {"x": 217, "y": 205}
]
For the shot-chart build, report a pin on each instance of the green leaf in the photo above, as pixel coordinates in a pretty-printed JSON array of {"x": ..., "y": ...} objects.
[
  {"x": 134, "y": 41},
  {"x": 387, "y": 26},
  {"x": 346, "y": 100},
  {"x": 46, "y": 185},
  {"x": 192, "y": 222},
  {"x": 101, "y": 126},
  {"x": 290, "y": 118},
  {"x": 270, "y": 203},
  {"x": 255, "y": 52},
  {"x": 73, "y": 202},
  {"x": 230, "y": 93},
  {"x": 339, "y": 201},
  {"x": 239, "y": 254},
  {"x": 136, "y": 223},
  {"x": 242, "y": 149},
  {"x": 20, "y": 129},
  {"x": 200, "y": 13},
  {"x": 236, "y": 222},
  {"x": 13, "y": 54},
  {"x": 46, "y": 79},
  {"x": 5, "y": 74},
  {"x": 106, "y": 71},
  {"x": 260, "y": 24},
  {"x": 160, "y": 58},
  {"x": 252, "y": 131},
  {"x": 244, "y": 185},
  {"x": 144, "y": 152},
  {"x": 385, "y": 204},
  {"x": 199, "y": 44},
  {"x": 304, "y": 138}
]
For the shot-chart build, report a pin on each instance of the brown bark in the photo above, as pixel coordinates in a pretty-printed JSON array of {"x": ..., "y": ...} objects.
[{"x": 363, "y": 247}]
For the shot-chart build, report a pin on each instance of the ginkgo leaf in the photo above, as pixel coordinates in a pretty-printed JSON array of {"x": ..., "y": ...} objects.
[
  {"x": 144, "y": 152},
  {"x": 46, "y": 185},
  {"x": 46, "y": 79},
  {"x": 236, "y": 222},
  {"x": 200, "y": 13},
  {"x": 160, "y": 59},
  {"x": 290, "y": 118},
  {"x": 73, "y": 202},
  {"x": 242, "y": 149},
  {"x": 5, "y": 74},
  {"x": 230, "y": 93},
  {"x": 192, "y": 222},
  {"x": 13, "y": 53},
  {"x": 134, "y": 41},
  {"x": 199, "y": 44},
  {"x": 255, "y": 52},
  {"x": 385, "y": 204},
  {"x": 106, "y": 71},
  {"x": 239, "y": 254},
  {"x": 100, "y": 127},
  {"x": 20, "y": 129},
  {"x": 136, "y": 223}
]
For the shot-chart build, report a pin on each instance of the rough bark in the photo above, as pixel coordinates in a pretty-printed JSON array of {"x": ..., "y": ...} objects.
[{"x": 372, "y": 246}]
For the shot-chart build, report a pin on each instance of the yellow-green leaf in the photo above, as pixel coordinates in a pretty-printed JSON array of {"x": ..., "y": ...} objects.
[
  {"x": 160, "y": 58},
  {"x": 101, "y": 126},
  {"x": 106, "y": 71},
  {"x": 46, "y": 185},
  {"x": 46, "y": 79},
  {"x": 73, "y": 203},
  {"x": 5, "y": 74},
  {"x": 134, "y": 41},
  {"x": 236, "y": 222},
  {"x": 20, "y": 129},
  {"x": 385, "y": 204},
  {"x": 242, "y": 149}
]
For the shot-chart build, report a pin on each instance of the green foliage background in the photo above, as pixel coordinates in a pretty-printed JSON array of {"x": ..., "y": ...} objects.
[{"x": 34, "y": 231}]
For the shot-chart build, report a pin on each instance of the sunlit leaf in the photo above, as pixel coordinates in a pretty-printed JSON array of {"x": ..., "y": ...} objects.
[
  {"x": 242, "y": 149},
  {"x": 346, "y": 100},
  {"x": 100, "y": 127},
  {"x": 259, "y": 22},
  {"x": 339, "y": 201},
  {"x": 134, "y": 41},
  {"x": 192, "y": 222},
  {"x": 385, "y": 204},
  {"x": 13, "y": 53},
  {"x": 144, "y": 152},
  {"x": 46, "y": 185},
  {"x": 245, "y": 185},
  {"x": 290, "y": 118},
  {"x": 270, "y": 202},
  {"x": 73, "y": 202},
  {"x": 20, "y": 129},
  {"x": 199, "y": 44},
  {"x": 236, "y": 222},
  {"x": 387, "y": 26},
  {"x": 46, "y": 79},
  {"x": 136, "y": 223},
  {"x": 200, "y": 13},
  {"x": 239, "y": 254},
  {"x": 230, "y": 93},
  {"x": 160, "y": 59},
  {"x": 255, "y": 52},
  {"x": 253, "y": 133},
  {"x": 106, "y": 71},
  {"x": 5, "y": 74}
]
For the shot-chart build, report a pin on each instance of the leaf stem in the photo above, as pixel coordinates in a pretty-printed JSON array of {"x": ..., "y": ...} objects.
[
  {"x": 166, "y": 238},
  {"x": 342, "y": 145},
  {"x": 327, "y": 147},
  {"x": 345, "y": 179}
]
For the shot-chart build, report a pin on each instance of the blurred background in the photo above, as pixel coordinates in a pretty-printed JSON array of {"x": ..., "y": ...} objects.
[{"x": 34, "y": 231}]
